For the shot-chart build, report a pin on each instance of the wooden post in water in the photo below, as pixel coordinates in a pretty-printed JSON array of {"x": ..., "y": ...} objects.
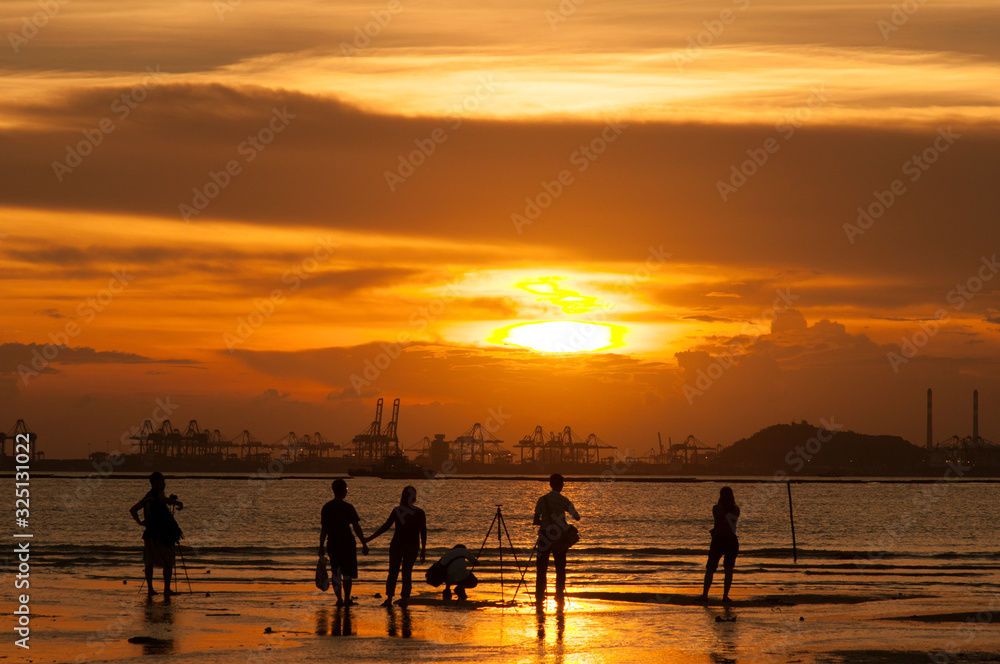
[{"x": 791, "y": 517}]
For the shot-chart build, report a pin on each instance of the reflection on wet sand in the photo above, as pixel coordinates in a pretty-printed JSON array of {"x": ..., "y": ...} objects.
[
  {"x": 322, "y": 616},
  {"x": 557, "y": 651},
  {"x": 726, "y": 633},
  {"x": 339, "y": 626},
  {"x": 342, "y": 622},
  {"x": 405, "y": 621},
  {"x": 155, "y": 614}
]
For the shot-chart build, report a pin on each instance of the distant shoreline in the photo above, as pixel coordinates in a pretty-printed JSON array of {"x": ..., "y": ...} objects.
[{"x": 734, "y": 479}]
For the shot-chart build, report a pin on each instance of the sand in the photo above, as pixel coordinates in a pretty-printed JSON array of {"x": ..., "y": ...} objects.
[{"x": 99, "y": 620}]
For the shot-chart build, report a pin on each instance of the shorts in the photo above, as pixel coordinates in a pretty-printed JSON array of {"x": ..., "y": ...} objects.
[
  {"x": 727, "y": 548},
  {"x": 343, "y": 557},
  {"x": 157, "y": 554}
]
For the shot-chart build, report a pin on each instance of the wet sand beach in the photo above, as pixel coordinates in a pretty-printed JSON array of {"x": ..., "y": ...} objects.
[
  {"x": 260, "y": 622},
  {"x": 857, "y": 593}
]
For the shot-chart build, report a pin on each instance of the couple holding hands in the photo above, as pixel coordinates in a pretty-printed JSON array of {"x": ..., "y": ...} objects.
[{"x": 409, "y": 540}]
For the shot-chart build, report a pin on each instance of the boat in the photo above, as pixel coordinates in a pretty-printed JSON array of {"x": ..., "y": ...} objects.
[{"x": 394, "y": 466}]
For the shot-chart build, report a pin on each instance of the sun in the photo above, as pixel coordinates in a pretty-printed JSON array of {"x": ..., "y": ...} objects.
[{"x": 561, "y": 336}]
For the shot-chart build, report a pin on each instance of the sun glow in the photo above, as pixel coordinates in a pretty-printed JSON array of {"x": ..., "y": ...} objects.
[{"x": 561, "y": 336}]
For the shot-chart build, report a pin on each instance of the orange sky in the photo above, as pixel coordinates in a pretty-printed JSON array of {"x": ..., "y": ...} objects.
[{"x": 274, "y": 213}]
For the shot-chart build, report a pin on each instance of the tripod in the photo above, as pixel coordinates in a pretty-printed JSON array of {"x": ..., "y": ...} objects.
[
  {"x": 183, "y": 566},
  {"x": 501, "y": 526}
]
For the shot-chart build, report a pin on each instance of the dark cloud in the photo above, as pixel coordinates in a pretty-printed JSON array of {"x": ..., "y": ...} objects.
[
  {"x": 39, "y": 357},
  {"x": 787, "y": 320},
  {"x": 50, "y": 313},
  {"x": 327, "y": 169}
]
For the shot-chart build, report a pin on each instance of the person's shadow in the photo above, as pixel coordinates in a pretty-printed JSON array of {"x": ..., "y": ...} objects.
[
  {"x": 726, "y": 631},
  {"x": 405, "y": 629}
]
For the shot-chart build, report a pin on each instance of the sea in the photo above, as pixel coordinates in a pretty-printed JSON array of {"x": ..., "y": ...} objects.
[{"x": 252, "y": 542}]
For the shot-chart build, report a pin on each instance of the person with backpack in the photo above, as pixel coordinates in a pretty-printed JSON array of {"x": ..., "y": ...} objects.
[
  {"x": 161, "y": 534},
  {"x": 453, "y": 570},
  {"x": 555, "y": 536}
]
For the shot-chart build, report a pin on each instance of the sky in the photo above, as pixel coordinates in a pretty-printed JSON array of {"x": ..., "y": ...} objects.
[{"x": 630, "y": 218}]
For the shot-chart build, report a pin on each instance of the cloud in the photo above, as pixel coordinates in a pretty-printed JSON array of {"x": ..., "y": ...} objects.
[
  {"x": 50, "y": 313},
  {"x": 40, "y": 356},
  {"x": 787, "y": 320},
  {"x": 349, "y": 394},
  {"x": 794, "y": 209}
]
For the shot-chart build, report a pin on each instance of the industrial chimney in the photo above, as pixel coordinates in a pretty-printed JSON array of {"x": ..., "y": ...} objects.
[
  {"x": 975, "y": 416},
  {"x": 930, "y": 428}
]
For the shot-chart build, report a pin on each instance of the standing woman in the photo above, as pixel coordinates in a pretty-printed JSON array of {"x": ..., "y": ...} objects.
[
  {"x": 724, "y": 542},
  {"x": 409, "y": 538}
]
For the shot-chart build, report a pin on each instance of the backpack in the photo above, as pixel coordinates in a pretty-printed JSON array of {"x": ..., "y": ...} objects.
[{"x": 437, "y": 574}]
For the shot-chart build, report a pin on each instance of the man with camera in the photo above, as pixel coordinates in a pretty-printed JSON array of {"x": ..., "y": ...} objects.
[
  {"x": 162, "y": 532},
  {"x": 555, "y": 536}
]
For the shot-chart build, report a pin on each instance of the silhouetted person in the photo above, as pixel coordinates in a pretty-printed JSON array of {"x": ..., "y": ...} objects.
[
  {"x": 550, "y": 517},
  {"x": 162, "y": 532},
  {"x": 457, "y": 572},
  {"x": 409, "y": 538},
  {"x": 337, "y": 519},
  {"x": 724, "y": 541}
]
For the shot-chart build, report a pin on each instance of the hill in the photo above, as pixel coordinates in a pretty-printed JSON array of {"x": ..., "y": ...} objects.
[{"x": 801, "y": 448}]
